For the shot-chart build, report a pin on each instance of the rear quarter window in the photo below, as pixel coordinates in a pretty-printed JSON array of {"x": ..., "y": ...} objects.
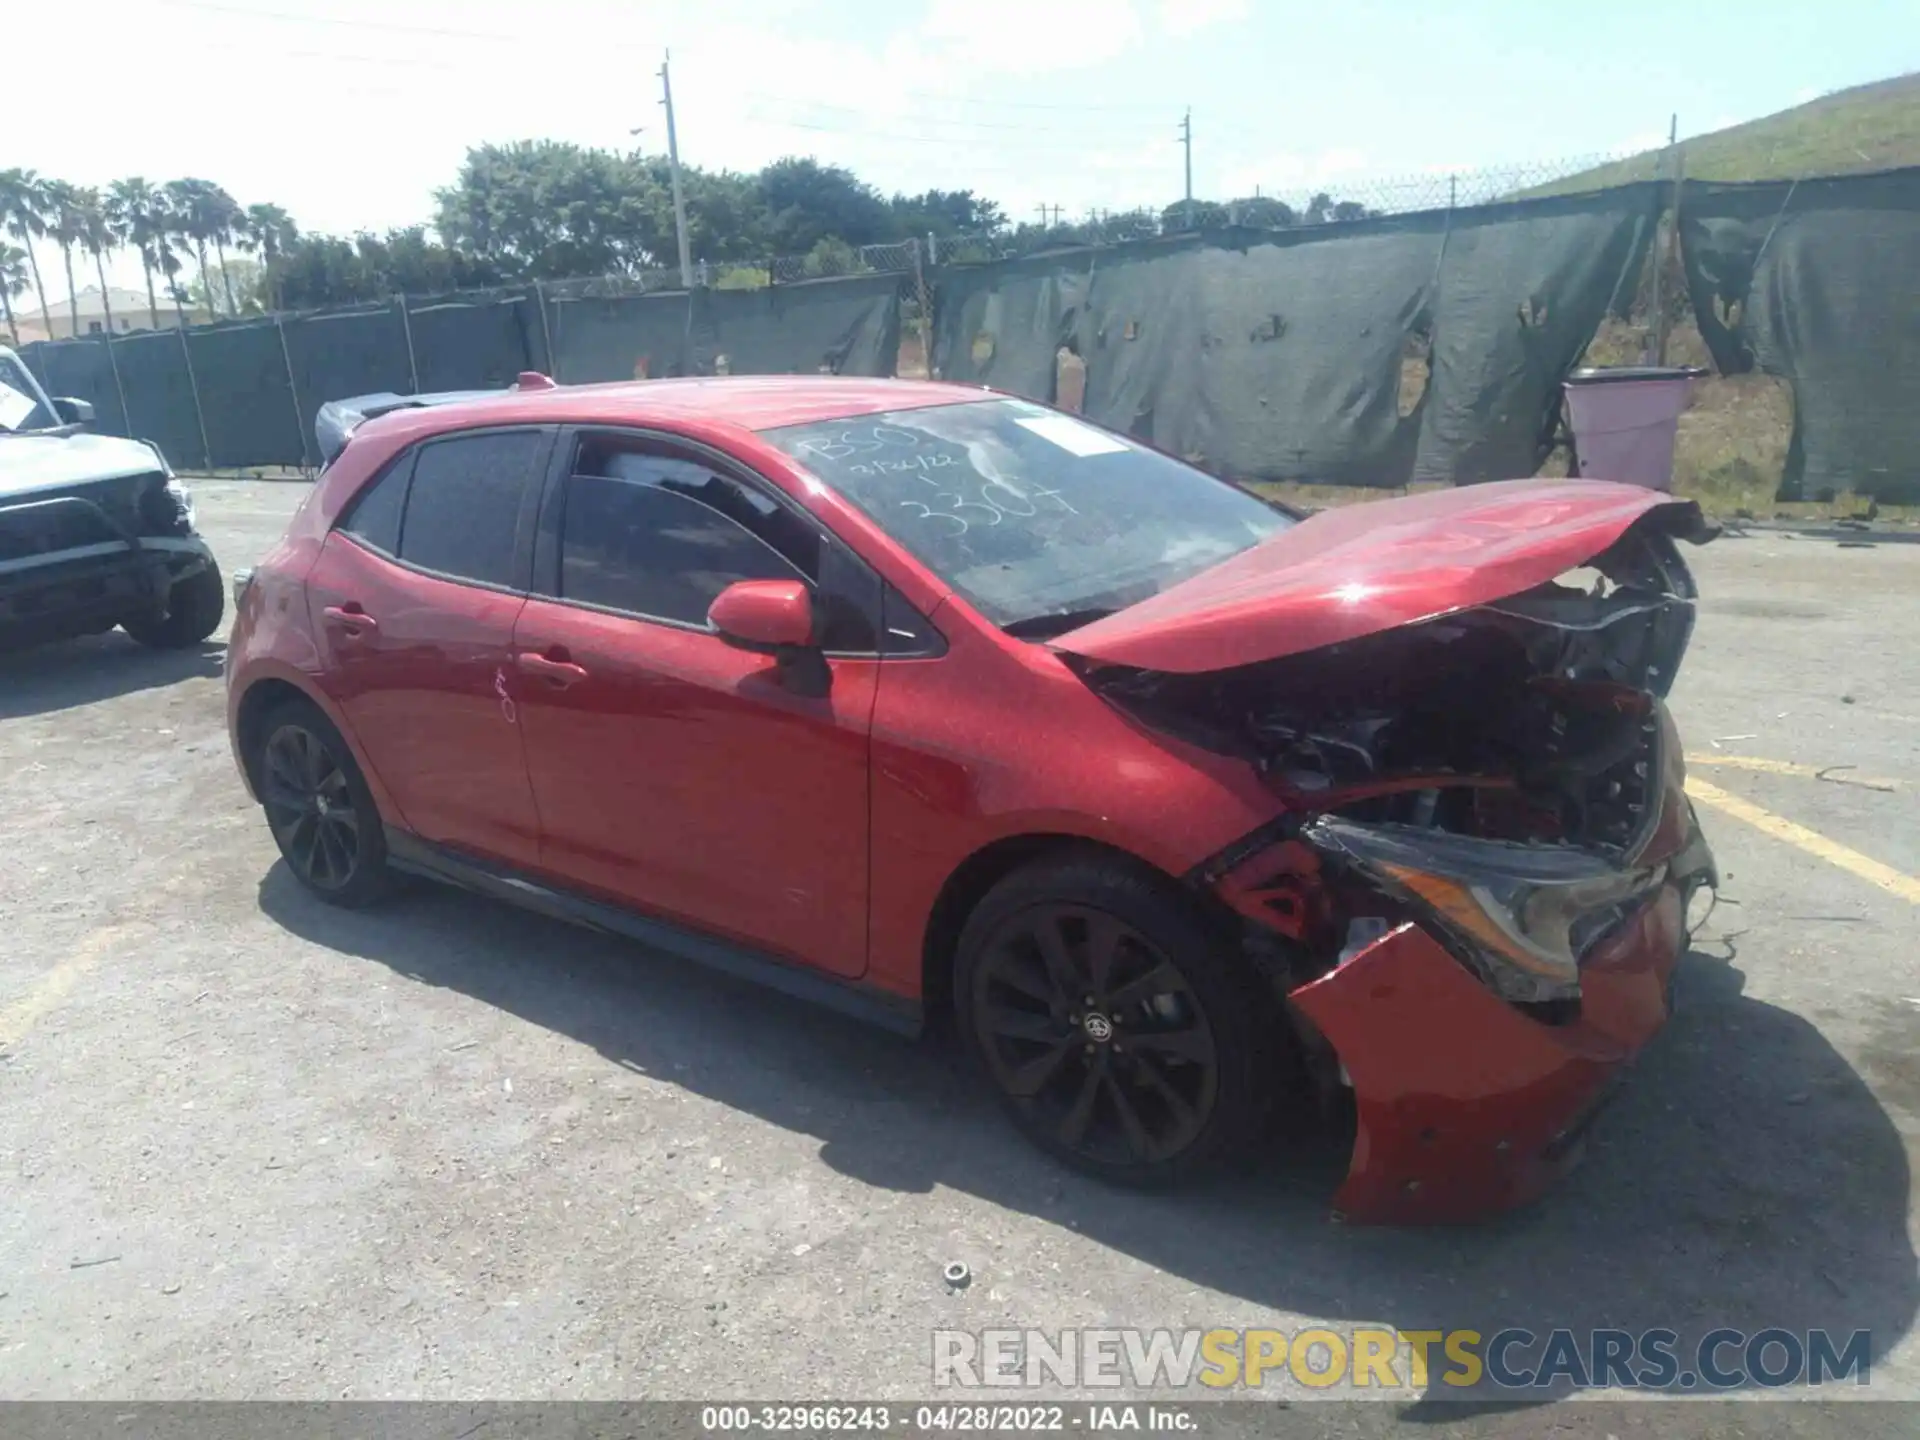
[{"x": 462, "y": 514}]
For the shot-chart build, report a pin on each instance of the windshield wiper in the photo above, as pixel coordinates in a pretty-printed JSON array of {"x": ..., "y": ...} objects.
[{"x": 1055, "y": 622}]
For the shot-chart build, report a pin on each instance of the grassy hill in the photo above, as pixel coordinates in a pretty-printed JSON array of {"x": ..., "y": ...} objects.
[{"x": 1870, "y": 127}]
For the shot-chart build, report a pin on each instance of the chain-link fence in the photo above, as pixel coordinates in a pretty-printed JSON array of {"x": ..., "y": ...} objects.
[{"x": 1328, "y": 202}]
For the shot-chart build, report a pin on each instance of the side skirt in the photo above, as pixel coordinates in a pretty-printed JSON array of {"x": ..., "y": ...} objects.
[{"x": 414, "y": 856}]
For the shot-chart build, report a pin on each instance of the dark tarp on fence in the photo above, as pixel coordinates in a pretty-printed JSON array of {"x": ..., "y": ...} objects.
[
  {"x": 630, "y": 337},
  {"x": 1522, "y": 289},
  {"x": 1814, "y": 281},
  {"x": 153, "y": 367},
  {"x": 847, "y": 326},
  {"x": 243, "y": 392},
  {"x": 1277, "y": 355},
  {"x": 1003, "y": 325},
  {"x": 79, "y": 370},
  {"x": 1262, "y": 355},
  {"x": 484, "y": 345},
  {"x": 843, "y": 326},
  {"x": 343, "y": 353}
]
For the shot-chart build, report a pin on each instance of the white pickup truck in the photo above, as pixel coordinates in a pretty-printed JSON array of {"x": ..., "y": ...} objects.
[{"x": 95, "y": 531}]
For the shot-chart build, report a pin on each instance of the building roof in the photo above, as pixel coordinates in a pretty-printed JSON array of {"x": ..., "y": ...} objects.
[{"x": 122, "y": 301}]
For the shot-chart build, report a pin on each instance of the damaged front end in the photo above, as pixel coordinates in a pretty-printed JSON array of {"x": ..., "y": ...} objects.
[{"x": 1474, "y": 895}]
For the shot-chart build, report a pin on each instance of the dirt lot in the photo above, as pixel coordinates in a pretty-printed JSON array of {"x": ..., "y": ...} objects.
[{"x": 253, "y": 1147}]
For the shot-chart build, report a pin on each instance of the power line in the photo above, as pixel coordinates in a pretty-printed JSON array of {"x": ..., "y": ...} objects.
[
  {"x": 387, "y": 26},
  {"x": 600, "y": 42},
  {"x": 879, "y": 117}
]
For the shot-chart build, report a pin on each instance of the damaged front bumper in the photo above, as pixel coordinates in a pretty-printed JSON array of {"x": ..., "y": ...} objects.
[
  {"x": 51, "y": 591},
  {"x": 1471, "y": 1093}
]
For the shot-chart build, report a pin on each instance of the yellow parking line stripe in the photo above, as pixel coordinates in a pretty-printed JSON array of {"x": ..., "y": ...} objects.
[
  {"x": 21, "y": 1016},
  {"x": 1811, "y": 841},
  {"x": 1837, "y": 774}
]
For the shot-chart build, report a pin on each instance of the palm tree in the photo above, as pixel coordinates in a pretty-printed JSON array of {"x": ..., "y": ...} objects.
[
  {"x": 183, "y": 227},
  {"x": 99, "y": 233},
  {"x": 64, "y": 226},
  {"x": 207, "y": 215},
  {"x": 271, "y": 231},
  {"x": 135, "y": 208},
  {"x": 223, "y": 219},
  {"x": 23, "y": 210},
  {"x": 13, "y": 281}
]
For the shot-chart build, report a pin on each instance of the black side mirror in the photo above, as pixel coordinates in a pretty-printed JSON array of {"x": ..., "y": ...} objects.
[{"x": 73, "y": 412}]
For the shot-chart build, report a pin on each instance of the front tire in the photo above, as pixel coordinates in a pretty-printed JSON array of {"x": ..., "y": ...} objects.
[
  {"x": 319, "y": 808},
  {"x": 195, "y": 608},
  {"x": 1124, "y": 1033}
]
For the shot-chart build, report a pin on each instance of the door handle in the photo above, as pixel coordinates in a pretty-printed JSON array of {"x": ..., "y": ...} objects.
[
  {"x": 351, "y": 618},
  {"x": 556, "y": 670}
]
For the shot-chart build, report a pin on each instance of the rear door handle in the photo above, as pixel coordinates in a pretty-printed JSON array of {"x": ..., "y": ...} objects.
[
  {"x": 555, "y": 668},
  {"x": 351, "y": 618}
]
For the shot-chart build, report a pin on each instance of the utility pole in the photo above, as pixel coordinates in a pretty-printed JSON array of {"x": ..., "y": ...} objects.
[
  {"x": 673, "y": 168},
  {"x": 1663, "y": 247},
  {"x": 1186, "y": 139}
]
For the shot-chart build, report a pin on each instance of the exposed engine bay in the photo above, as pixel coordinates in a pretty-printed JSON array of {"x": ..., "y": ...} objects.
[{"x": 1498, "y": 773}]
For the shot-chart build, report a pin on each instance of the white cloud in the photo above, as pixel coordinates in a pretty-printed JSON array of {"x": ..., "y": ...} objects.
[
  {"x": 1026, "y": 37},
  {"x": 1183, "y": 17},
  {"x": 1287, "y": 172}
]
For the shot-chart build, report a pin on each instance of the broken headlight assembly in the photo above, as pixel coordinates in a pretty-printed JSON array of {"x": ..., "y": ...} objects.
[
  {"x": 1520, "y": 916},
  {"x": 167, "y": 509}
]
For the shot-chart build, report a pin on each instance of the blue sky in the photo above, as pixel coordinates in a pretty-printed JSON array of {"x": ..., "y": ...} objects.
[{"x": 350, "y": 112}]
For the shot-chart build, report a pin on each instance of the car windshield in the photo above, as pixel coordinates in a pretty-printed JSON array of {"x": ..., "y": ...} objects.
[
  {"x": 1041, "y": 521},
  {"x": 21, "y": 405}
]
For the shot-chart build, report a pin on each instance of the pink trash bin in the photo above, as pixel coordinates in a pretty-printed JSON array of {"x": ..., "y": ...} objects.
[{"x": 1624, "y": 421}]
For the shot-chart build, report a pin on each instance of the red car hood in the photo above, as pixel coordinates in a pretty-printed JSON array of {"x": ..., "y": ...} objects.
[{"x": 1358, "y": 569}]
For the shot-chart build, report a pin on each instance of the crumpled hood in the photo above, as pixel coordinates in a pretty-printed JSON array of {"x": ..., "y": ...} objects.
[
  {"x": 1360, "y": 569},
  {"x": 29, "y": 463}
]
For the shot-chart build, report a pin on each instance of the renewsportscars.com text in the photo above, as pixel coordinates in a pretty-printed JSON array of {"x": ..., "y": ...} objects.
[{"x": 1381, "y": 1359}]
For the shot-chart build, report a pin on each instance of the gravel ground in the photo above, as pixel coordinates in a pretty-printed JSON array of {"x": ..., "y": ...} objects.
[{"x": 252, "y": 1147}]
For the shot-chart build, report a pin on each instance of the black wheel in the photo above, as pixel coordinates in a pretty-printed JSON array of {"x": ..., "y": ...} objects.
[
  {"x": 1121, "y": 1029},
  {"x": 195, "y": 607},
  {"x": 318, "y": 807}
]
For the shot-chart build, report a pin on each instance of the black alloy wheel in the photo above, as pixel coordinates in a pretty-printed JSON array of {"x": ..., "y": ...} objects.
[
  {"x": 1096, "y": 1035},
  {"x": 312, "y": 808}
]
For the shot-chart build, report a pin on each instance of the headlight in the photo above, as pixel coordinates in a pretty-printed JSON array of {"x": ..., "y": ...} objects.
[
  {"x": 1524, "y": 913},
  {"x": 183, "y": 502}
]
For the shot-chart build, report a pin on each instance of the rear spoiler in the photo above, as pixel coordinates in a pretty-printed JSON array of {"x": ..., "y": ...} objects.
[{"x": 336, "y": 421}]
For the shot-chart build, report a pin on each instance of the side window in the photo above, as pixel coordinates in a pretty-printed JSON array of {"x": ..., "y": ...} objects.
[
  {"x": 374, "y": 517},
  {"x": 661, "y": 535},
  {"x": 648, "y": 550},
  {"x": 463, "y": 508}
]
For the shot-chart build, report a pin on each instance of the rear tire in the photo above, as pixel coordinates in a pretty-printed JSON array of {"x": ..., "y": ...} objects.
[
  {"x": 1169, "y": 1073},
  {"x": 318, "y": 806},
  {"x": 195, "y": 608}
]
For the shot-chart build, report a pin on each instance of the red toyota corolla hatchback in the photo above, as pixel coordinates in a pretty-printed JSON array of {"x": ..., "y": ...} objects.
[{"x": 920, "y": 699}]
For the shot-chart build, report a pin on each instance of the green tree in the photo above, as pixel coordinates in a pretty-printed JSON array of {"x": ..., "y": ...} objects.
[
  {"x": 1323, "y": 208},
  {"x": 806, "y": 202},
  {"x": 13, "y": 281},
  {"x": 944, "y": 214},
  {"x": 1206, "y": 215},
  {"x": 1264, "y": 212},
  {"x": 269, "y": 232},
  {"x": 184, "y": 232},
  {"x": 65, "y": 225},
  {"x": 137, "y": 211},
  {"x": 549, "y": 210},
  {"x": 23, "y": 207},
  {"x": 205, "y": 214},
  {"x": 99, "y": 233},
  {"x": 225, "y": 222}
]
